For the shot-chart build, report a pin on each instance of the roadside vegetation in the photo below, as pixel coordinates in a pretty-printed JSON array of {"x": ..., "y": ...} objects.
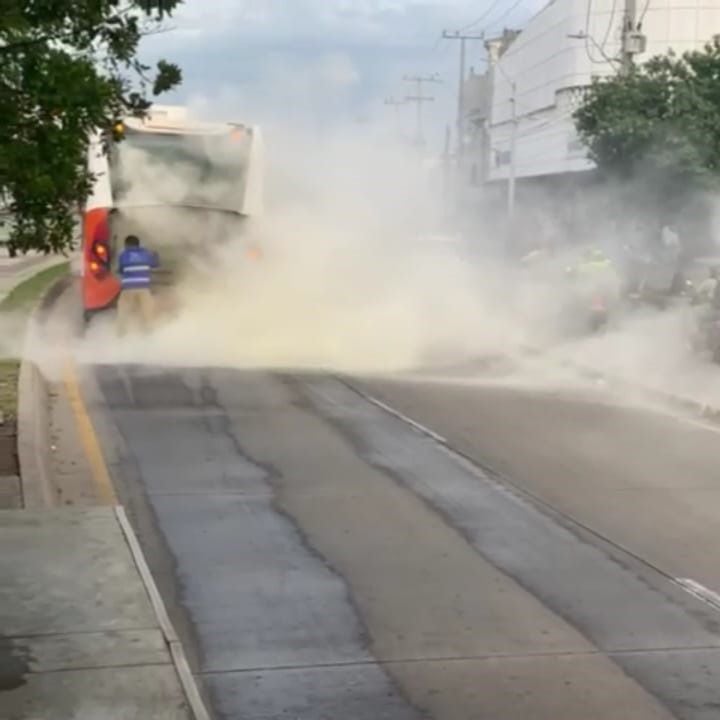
[
  {"x": 656, "y": 129},
  {"x": 9, "y": 373},
  {"x": 25, "y": 296},
  {"x": 67, "y": 69},
  {"x": 18, "y": 305}
]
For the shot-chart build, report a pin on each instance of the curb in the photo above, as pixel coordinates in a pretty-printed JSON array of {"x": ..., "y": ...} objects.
[
  {"x": 706, "y": 412},
  {"x": 177, "y": 652},
  {"x": 33, "y": 428},
  {"x": 709, "y": 413},
  {"x": 33, "y": 437}
]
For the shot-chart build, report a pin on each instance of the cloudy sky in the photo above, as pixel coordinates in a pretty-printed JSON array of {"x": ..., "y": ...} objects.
[{"x": 324, "y": 62}]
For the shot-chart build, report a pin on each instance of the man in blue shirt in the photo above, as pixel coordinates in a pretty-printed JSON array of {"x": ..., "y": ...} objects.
[{"x": 135, "y": 265}]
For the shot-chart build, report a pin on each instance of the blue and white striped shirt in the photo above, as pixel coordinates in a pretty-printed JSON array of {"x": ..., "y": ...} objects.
[{"x": 135, "y": 265}]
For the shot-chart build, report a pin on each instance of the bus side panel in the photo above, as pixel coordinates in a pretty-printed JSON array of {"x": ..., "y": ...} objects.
[{"x": 98, "y": 291}]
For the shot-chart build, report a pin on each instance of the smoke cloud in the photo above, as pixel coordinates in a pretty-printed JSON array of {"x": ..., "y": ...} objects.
[
  {"x": 354, "y": 274},
  {"x": 365, "y": 265}
]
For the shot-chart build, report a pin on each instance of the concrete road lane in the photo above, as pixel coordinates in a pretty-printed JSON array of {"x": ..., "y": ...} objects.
[
  {"x": 327, "y": 561},
  {"x": 646, "y": 479}
]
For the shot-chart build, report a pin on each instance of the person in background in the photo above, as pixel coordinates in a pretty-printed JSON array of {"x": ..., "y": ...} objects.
[
  {"x": 596, "y": 275},
  {"x": 705, "y": 299},
  {"x": 135, "y": 265},
  {"x": 707, "y": 290},
  {"x": 595, "y": 266}
]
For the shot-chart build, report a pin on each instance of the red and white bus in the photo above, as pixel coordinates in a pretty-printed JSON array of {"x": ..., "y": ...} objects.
[{"x": 176, "y": 183}]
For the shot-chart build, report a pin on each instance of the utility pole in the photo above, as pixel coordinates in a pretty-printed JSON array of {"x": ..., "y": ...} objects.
[
  {"x": 419, "y": 99},
  {"x": 512, "y": 168},
  {"x": 446, "y": 172},
  {"x": 633, "y": 40},
  {"x": 393, "y": 102},
  {"x": 463, "y": 38}
]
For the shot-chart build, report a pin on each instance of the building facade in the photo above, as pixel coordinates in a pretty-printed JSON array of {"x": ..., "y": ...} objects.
[{"x": 534, "y": 80}]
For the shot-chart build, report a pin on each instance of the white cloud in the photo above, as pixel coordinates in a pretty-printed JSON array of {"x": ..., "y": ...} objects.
[
  {"x": 336, "y": 71},
  {"x": 343, "y": 22},
  {"x": 329, "y": 56}
]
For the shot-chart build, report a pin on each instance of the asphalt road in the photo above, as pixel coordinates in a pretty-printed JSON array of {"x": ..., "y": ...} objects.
[{"x": 325, "y": 560}]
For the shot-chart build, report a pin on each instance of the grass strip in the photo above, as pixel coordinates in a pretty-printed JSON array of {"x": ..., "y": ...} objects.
[
  {"x": 21, "y": 300},
  {"x": 9, "y": 373},
  {"x": 24, "y": 297}
]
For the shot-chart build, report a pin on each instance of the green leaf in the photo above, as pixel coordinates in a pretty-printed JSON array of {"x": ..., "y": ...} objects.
[
  {"x": 67, "y": 69},
  {"x": 168, "y": 76},
  {"x": 661, "y": 119}
]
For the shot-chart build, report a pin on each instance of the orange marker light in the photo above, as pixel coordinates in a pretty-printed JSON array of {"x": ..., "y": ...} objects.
[{"x": 94, "y": 266}]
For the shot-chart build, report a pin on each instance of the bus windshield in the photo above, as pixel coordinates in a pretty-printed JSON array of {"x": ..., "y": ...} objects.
[{"x": 174, "y": 169}]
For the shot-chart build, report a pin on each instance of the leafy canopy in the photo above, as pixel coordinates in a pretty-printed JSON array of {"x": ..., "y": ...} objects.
[
  {"x": 67, "y": 68},
  {"x": 660, "y": 121}
]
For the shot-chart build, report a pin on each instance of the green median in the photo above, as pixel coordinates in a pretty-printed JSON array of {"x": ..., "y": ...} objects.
[
  {"x": 25, "y": 296},
  {"x": 17, "y": 305}
]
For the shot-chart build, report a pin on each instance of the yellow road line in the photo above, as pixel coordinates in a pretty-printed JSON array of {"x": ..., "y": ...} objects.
[{"x": 101, "y": 477}]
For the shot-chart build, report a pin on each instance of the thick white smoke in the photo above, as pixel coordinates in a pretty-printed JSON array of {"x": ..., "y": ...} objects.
[
  {"x": 360, "y": 271},
  {"x": 353, "y": 274}
]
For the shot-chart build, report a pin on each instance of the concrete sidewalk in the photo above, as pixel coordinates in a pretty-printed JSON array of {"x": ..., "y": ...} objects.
[{"x": 80, "y": 638}]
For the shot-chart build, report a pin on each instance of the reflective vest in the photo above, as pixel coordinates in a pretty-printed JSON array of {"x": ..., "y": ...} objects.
[
  {"x": 594, "y": 266},
  {"x": 135, "y": 266}
]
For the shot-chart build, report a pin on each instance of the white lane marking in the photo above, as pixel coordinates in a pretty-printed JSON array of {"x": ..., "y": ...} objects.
[
  {"x": 709, "y": 597},
  {"x": 177, "y": 652},
  {"x": 422, "y": 429}
]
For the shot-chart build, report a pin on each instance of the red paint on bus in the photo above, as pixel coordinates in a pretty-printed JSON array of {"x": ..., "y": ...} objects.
[{"x": 100, "y": 287}]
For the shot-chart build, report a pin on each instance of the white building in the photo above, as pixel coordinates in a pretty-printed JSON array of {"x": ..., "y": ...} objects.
[{"x": 559, "y": 52}]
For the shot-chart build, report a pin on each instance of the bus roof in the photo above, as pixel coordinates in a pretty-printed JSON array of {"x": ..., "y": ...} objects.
[{"x": 175, "y": 120}]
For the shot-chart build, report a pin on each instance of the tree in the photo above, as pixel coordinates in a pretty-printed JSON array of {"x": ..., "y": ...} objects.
[
  {"x": 67, "y": 69},
  {"x": 659, "y": 122}
]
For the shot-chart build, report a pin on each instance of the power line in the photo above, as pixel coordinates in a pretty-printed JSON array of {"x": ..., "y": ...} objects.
[
  {"x": 643, "y": 13},
  {"x": 608, "y": 29},
  {"x": 477, "y": 21},
  {"x": 527, "y": 91},
  {"x": 515, "y": 50},
  {"x": 539, "y": 129},
  {"x": 547, "y": 129},
  {"x": 522, "y": 42},
  {"x": 509, "y": 11},
  {"x": 588, "y": 37}
]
